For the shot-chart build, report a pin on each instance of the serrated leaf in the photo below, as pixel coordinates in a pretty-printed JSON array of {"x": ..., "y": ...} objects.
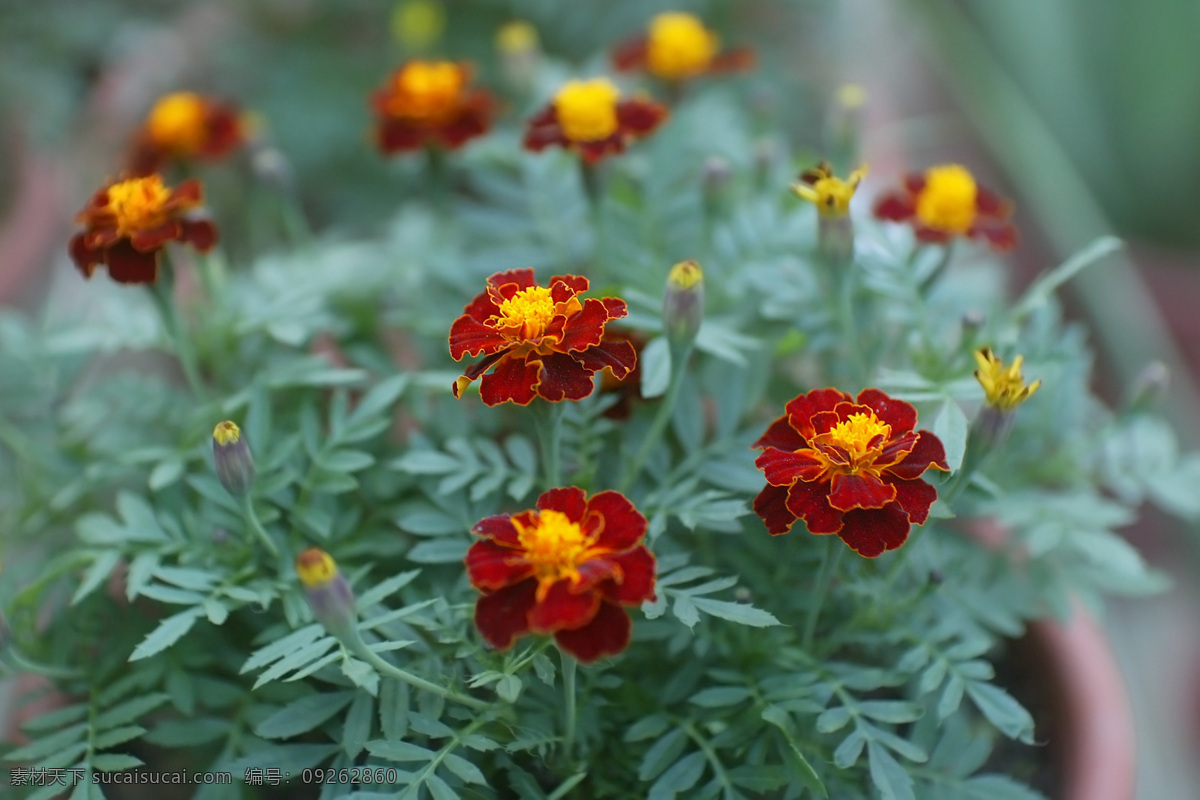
[
  {"x": 662, "y": 754},
  {"x": 55, "y": 718},
  {"x": 741, "y": 613},
  {"x": 439, "y": 551},
  {"x": 685, "y": 610},
  {"x": 894, "y": 711},
  {"x": 951, "y": 697},
  {"x": 116, "y": 736},
  {"x": 288, "y": 644},
  {"x": 833, "y": 719},
  {"x": 386, "y": 588},
  {"x": 115, "y": 762},
  {"x": 679, "y": 777},
  {"x": 509, "y": 688},
  {"x": 303, "y": 715},
  {"x": 165, "y": 474},
  {"x": 97, "y": 573},
  {"x": 357, "y": 727},
  {"x": 848, "y": 752},
  {"x": 647, "y": 728},
  {"x": 361, "y": 673},
  {"x": 465, "y": 770},
  {"x": 439, "y": 789},
  {"x": 46, "y": 745},
  {"x": 720, "y": 696},
  {"x": 187, "y": 732},
  {"x": 655, "y": 362},
  {"x": 129, "y": 710},
  {"x": 393, "y": 750},
  {"x": 168, "y": 632},
  {"x": 1002, "y": 710},
  {"x": 892, "y": 781},
  {"x": 950, "y": 425}
]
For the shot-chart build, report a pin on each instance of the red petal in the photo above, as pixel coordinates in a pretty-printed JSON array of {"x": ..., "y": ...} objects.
[
  {"x": 621, "y": 525},
  {"x": 201, "y": 233},
  {"x": 928, "y": 452},
  {"x": 155, "y": 238},
  {"x": 801, "y": 409},
  {"x": 630, "y": 54},
  {"x": 638, "y": 117},
  {"x": 597, "y": 150},
  {"x": 85, "y": 258},
  {"x": 126, "y": 265},
  {"x": 780, "y": 434},
  {"x": 563, "y": 609},
  {"x": 482, "y": 308},
  {"x": 897, "y": 413},
  {"x": 859, "y": 491},
  {"x": 490, "y": 566},
  {"x": 870, "y": 532},
  {"x": 783, "y": 468},
  {"x": 474, "y": 371},
  {"x": 825, "y": 421},
  {"x": 810, "y": 502},
  {"x": 896, "y": 449},
  {"x": 499, "y": 528},
  {"x": 606, "y": 635},
  {"x": 637, "y": 582},
  {"x": 515, "y": 379},
  {"x": 585, "y": 329},
  {"x": 563, "y": 286},
  {"x": 398, "y": 136},
  {"x": 616, "y": 307},
  {"x": 186, "y": 195},
  {"x": 619, "y": 356},
  {"x": 914, "y": 184},
  {"x": 470, "y": 337},
  {"x": 570, "y": 500},
  {"x": 1001, "y": 236},
  {"x": 915, "y": 498},
  {"x": 990, "y": 204},
  {"x": 504, "y": 615},
  {"x": 564, "y": 378},
  {"x": 895, "y": 207},
  {"x": 736, "y": 59},
  {"x": 771, "y": 506},
  {"x": 931, "y": 236}
]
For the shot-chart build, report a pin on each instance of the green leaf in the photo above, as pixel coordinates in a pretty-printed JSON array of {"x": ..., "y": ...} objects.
[
  {"x": 52, "y": 719},
  {"x": 296, "y": 660},
  {"x": 465, "y": 770},
  {"x": 165, "y": 474},
  {"x": 685, "y": 610},
  {"x": 169, "y": 631},
  {"x": 394, "y": 750},
  {"x": 998, "y": 787},
  {"x": 386, "y": 588},
  {"x": 97, "y": 573},
  {"x": 759, "y": 778},
  {"x": 1002, "y": 710},
  {"x": 188, "y": 732},
  {"x": 681, "y": 776},
  {"x": 426, "y": 462},
  {"x": 116, "y": 736},
  {"x": 849, "y": 750},
  {"x": 439, "y": 789},
  {"x": 439, "y": 551},
  {"x": 288, "y": 644},
  {"x": 741, "y": 613},
  {"x": 655, "y": 362},
  {"x": 1043, "y": 287},
  {"x": 833, "y": 719},
  {"x": 345, "y": 460},
  {"x": 284, "y": 757},
  {"x": 45, "y": 746},
  {"x": 894, "y": 711},
  {"x": 662, "y": 754},
  {"x": 115, "y": 762},
  {"x": 509, "y": 688},
  {"x": 303, "y": 715},
  {"x": 129, "y": 710},
  {"x": 357, "y": 727},
  {"x": 951, "y": 697},
  {"x": 647, "y": 728},
  {"x": 720, "y": 696},
  {"x": 950, "y": 425},
  {"x": 892, "y": 781},
  {"x": 362, "y": 673}
]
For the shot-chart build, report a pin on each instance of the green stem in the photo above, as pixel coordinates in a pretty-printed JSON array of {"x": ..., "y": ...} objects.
[
  {"x": 257, "y": 526},
  {"x": 661, "y": 417},
  {"x": 938, "y": 271},
  {"x": 569, "y": 666},
  {"x": 824, "y": 577},
  {"x": 357, "y": 646},
  {"x": 549, "y": 430},
  {"x": 163, "y": 291},
  {"x": 846, "y": 317}
]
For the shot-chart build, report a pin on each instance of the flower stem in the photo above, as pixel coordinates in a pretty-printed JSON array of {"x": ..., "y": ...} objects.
[
  {"x": 163, "y": 292},
  {"x": 659, "y": 424},
  {"x": 357, "y": 646},
  {"x": 257, "y": 526},
  {"x": 828, "y": 568},
  {"x": 569, "y": 666},
  {"x": 549, "y": 430}
]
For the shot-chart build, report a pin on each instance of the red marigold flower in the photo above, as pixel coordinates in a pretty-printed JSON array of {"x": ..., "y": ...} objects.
[
  {"x": 543, "y": 342},
  {"x": 849, "y": 467},
  {"x": 591, "y": 118},
  {"x": 128, "y": 222},
  {"x": 946, "y": 202},
  {"x": 676, "y": 47},
  {"x": 185, "y": 126},
  {"x": 564, "y": 568},
  {"x": 429, "y": 103}
]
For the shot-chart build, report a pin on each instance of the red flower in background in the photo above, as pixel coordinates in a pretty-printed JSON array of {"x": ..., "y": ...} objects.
[
  {"x": 849, "y": 467},
  {"x": 564, "y": 569},
  {"x": 590, "y": 118},
  {"x": 945, "y": 202},
  {"x": 429, "y": 103},
  {"x": 676, "y": 47},
  {"x": 185, "y": 126},
  {"x": 542, "y": 341},
  {"x": 129, "y": 222}
]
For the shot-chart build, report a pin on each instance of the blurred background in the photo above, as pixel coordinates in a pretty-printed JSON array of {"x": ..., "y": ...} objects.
[{"x": 1087, "y": 112}]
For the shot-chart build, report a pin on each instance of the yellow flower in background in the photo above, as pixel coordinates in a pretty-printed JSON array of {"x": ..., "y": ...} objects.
[
  {"x": 418, "y": 24},
  {"x": 829, "y": 193},
  {"x": 1004, "y": 387}
]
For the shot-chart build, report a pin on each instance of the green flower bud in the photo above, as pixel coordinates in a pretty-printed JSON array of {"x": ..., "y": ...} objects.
[
  {"x": 683, "y": 304},
  {"x": 232, "y": 458},
  {"x": 329, "y": 595}
]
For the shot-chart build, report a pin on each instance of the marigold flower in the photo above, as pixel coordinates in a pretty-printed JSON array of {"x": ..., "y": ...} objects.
[
  {"x": 429, "y": 103},
  {"x": 542, "y": 342},
  {"x": 562, "y": 569},
  {"x": 232, "y": 458},
  {"x": 329, "y": 595},
  {"x": 1003, "y": 387},
  {"x": 128, "y": 222},
  {"x": 591, "y": 118},
  {"x": 184, "y": 126},
  {"x": 848, "y": 466},
  {"x": 678, "y": 46},
  {"x": 946, "y": 202},
  {"x": 829, "y": 193}
]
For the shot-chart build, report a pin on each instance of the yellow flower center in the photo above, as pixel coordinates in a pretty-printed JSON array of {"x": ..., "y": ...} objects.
[
  {"x": 427, "y": 90},
  {"x": 516, "y": 37},
  {"x": 587, "y": 110},
  {"x": 177, "y": 122},
  {"x": 555, "y": 546},
  {"x": 1004, "y": 388},
  {"x": 679, "y": 46},
  {"x": 226, "y": 433},
  {"x": 857, "y": 435},
  {"x": 685, "y": 275},
  {"x": 527, "y": 313},
  {"x": 138, "y": 203},
  {"x": 947, "y": 203},
  {"x": 829, "y": 193},
  {"x": 315, "y": 567}
]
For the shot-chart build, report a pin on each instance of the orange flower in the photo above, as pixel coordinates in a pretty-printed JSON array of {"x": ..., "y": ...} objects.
[
  {"x": 185, "y": 126},
  {"x": 564, "y": 569},
  {"x": 677, "y": 47},
  {"x": 543, "y": 342},
  {"x": 849, "y": 467},
  {"x": 946, "y": 202},
  {"x": 429, "y": 103},
  {"x": 591, "y": 118},
  {"x": 127, "y": 223}
]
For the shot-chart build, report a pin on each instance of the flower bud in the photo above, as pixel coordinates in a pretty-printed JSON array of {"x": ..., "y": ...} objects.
[
  {"x": 1151, "y": 383},
  {"x": 520, "y": 53},
  {"x": 831, "y": 195},
  {"x": 1004, "y": 389},
  {"x": 418, "y": 24},
  {"x": 232, "y": 458},
  {"x": 271, "y": 166},
  {"x": 329, "y": 595},
  {"x": 845, "y": 123},
  {"x": 683, "y": 304}
]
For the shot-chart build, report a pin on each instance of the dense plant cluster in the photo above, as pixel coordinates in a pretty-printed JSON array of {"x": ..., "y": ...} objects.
[{"x": 270, "y": 526}]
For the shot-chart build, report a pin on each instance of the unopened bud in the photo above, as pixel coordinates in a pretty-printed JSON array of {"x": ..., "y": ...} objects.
[
  {"x": 520, "y": 52},
  {"x": 845, "y": 123},
  {"x": 329, "y": 595},
  {"x": 1150, "y": 384},
  {"x": 972, "y": 320},
  {"x": 232, "y": 458},
  {"x": 831, "y": 195},
  {"x": 271, "y": 166},
  {"x": 683, "y": 304},
  {"x": 716, "y": 174},
  {"x": 418, "y": 24}
]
